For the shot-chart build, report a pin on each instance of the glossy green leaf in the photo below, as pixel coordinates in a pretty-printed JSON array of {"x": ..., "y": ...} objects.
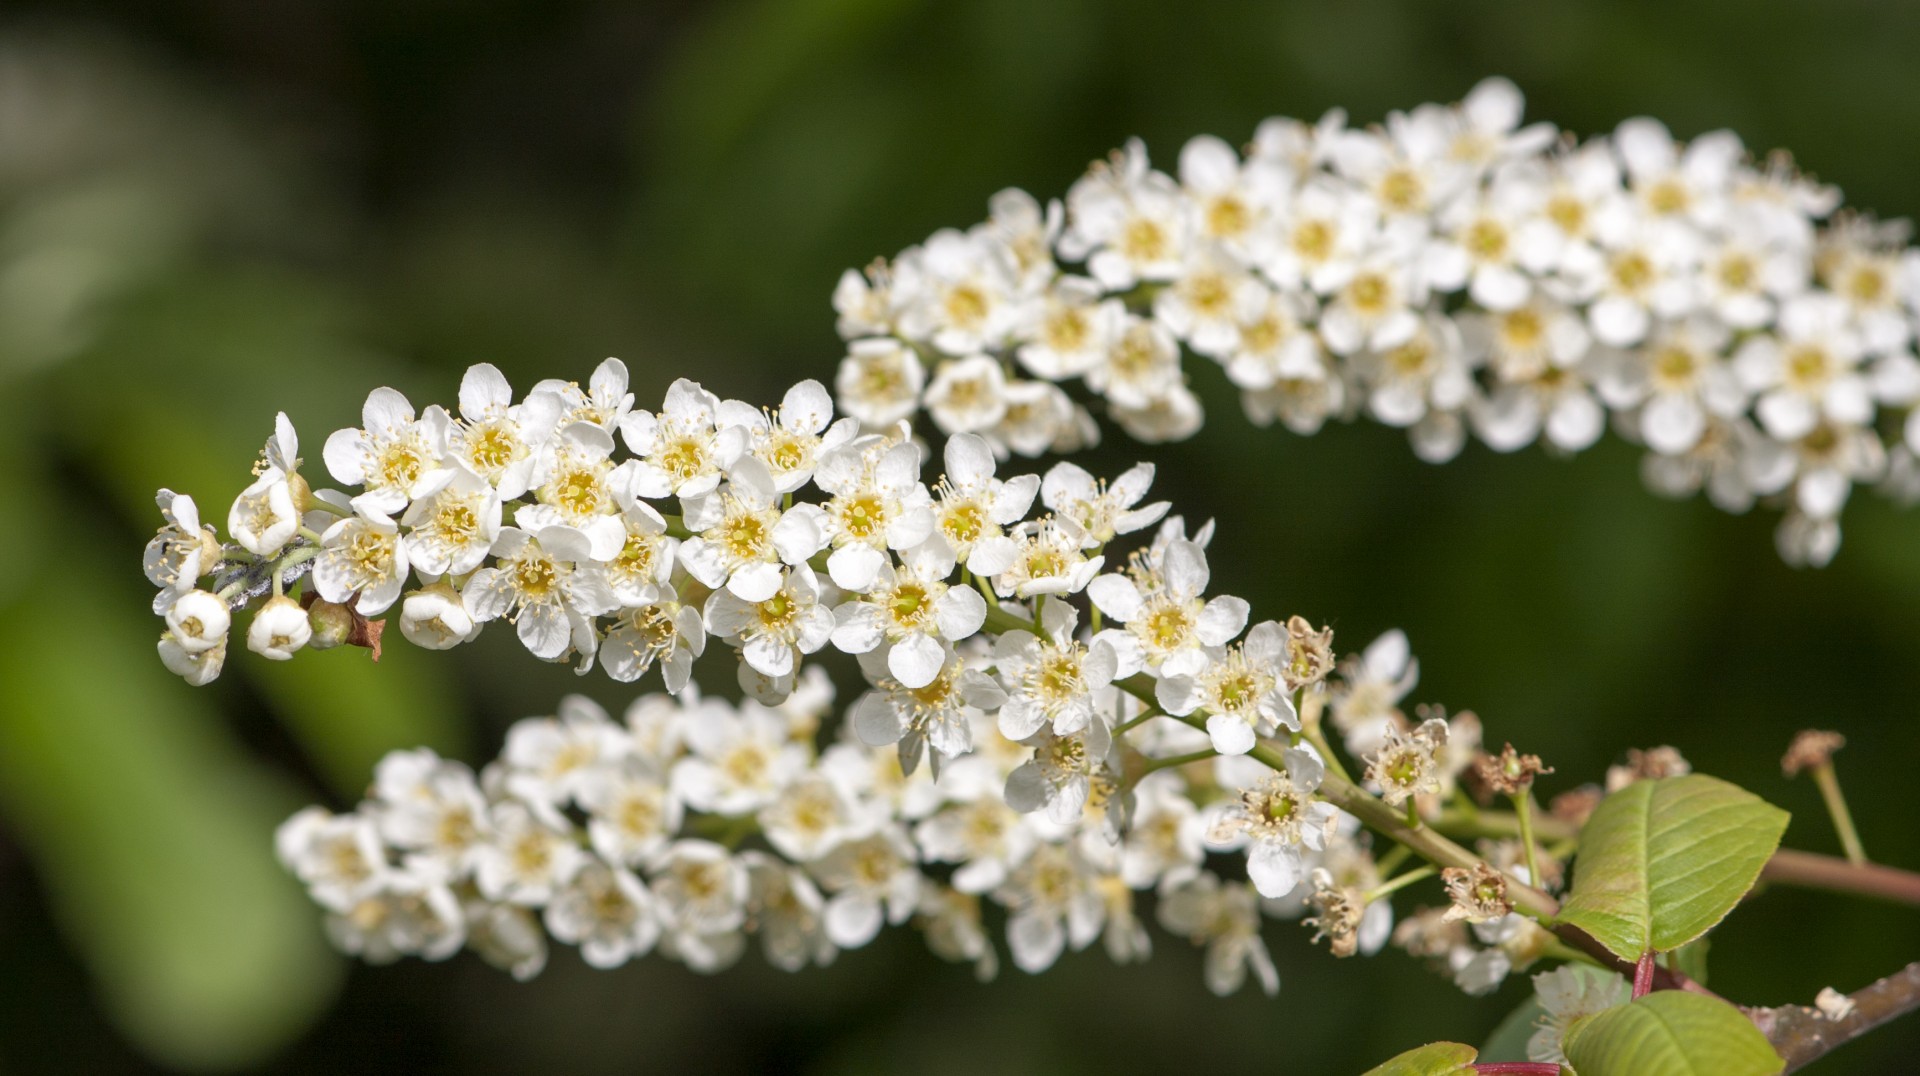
[
  {"x": 1662, "y": 862},
  {"x": 1670, "y": 1033},
  {"x": 1433, "y": 1059}
]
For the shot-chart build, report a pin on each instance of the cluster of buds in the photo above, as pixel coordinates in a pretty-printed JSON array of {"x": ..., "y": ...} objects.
[{"x": 1452, "y": 271}]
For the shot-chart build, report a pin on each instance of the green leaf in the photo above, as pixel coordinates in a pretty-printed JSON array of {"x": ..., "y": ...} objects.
[
  {"x": 1670, "y": 1033},
  {"x": 1433, "y": 1059},
  {"x": 1662, "y": 862}
]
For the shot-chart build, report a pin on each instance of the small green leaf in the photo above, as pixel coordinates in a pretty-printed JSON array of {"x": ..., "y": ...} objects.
[
  {"x": 1433, "y": 1059},
  {"x": 1662, "y": 862},
  {"x": 1670, "y": 1033}
]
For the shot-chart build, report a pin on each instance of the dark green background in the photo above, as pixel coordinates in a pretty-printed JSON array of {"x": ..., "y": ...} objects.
[{"x": 262, "y": 205}]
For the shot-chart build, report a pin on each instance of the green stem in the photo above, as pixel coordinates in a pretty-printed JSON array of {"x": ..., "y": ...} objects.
[
  {"x": 1392, "y": 858},
  {"x": 1829, "y": 783},
  {"x": 1131, "y": 723},
  {"x": 1401, "y": 882},
  {"x": 1154, "y": 764},
  {"x": 1523, "y": 810}
]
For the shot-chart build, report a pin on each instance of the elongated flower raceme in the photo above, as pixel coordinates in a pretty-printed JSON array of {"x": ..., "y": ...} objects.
[
  {"x": 1449, "y": 272},
  {"x": 1011, "y": 758}
]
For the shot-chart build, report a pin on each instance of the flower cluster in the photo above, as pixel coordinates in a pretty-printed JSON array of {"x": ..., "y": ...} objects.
[
  {"x": 1091, "y": 718},
  {"x": 1450, "y": 271}
]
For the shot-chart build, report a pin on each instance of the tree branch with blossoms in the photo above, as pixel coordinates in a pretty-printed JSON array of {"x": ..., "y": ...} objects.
[{"x": 1061, "y": 733}]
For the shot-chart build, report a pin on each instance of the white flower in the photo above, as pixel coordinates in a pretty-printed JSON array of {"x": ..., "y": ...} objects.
[
  {"x": 809, "y": 818},
  {"x": 1225, "y": 918},
  {"x": 1679, "y": 380},
  {"x": 1141, "y": 364},
  {"x": 792, "y": 440},
  {"x": 390, "y": 453},
  {"x": 539, "y": 585},
  {"x": 197, "y": 667},
  {"x": 1048, "y": 559},
  {"x": 411, "y": 913},
  {"x": 873, "y": 879},
  {"x": 605, "y": 402},
  {"x": 1127, "y": 222},
  {"x": 496, "y": 438},
  {"x": 879, "y": 382},
  {"x": 1042, "y": 418},
  {"x": 1243, "y": 691},
  {"x": 788, "y": 913},
  {"x": 978, "y": 831},
  {"x": 774, "y": 633},
  {"x": 507, "y": 937},
  {"x": 183, "y": 550},
  {"x": 744, "y": 538},
  {"x": 1051, "y": 681},
  {"x": 1103, "y": 512},
  {"x": 1204, "y": 305},
  {"x": 950, "y": 922},
  {"x": 607, "y": 912},
  {"x": 681, "y": 452},
  {"x": 549, "y": 760},
  {"x": 663, "y": 631},
  {"x": 1566, "y": 994},
  {"x": 1168, "y": 623},
  {"x": 1809, "y": 373},
  {"x": 339, "y": 857},
  {"x": 1428, "y": 372},
  {"x": 1324, "y": 233},
  {"x": 1174, "y": 415},
  {"x": 432, "y": 810},
  {"x": 974, "y": 506},
  {"x": 1672, "y": 184},
  {"x": 1059, "y": 778},
  {"x": 279, "y": 629},
  {"x": 1278, "y": 819},
  {"x": 577, "y": 487},
  {"x": 940, "y": 712},
  {"x": 968, "y": 395},
  {"x": 1375, "y": 309},
  {"x": 1366, "y": 706},
  {"x": 1071, "y": 330},
  {"x": 1165, "y": 842},
  {"x": 961, "y": 291},
  {"x": 1233, "y": 205},
  {"x": 701, "y": 888},
  {"x": 453, "y": 523},
  {"x": 197, "y": 621},
  {"x": 1051, "y": 904},
  {"x": 631, "y": 813},
  {"x": 528, "y": 859},
  {"x": 435, "y": 618},
  {"x": 1644, "y": 270},
  {"x": 878, "y": 503},
  {"x": 263, "y": 518},
  {"x": 914, "y": 613},
  {"x": 362, "y": 555},
  {"x": 1556, "y": 400},
  {"x": 1272, "y": 342},
  {"x": 739, "y": 764}
]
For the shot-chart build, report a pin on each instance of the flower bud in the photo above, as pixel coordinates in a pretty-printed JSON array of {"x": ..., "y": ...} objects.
[
  {"x": 197, "y": 667},
  {"x": 278, "y": 629},
  {"x": 300, "y": 492},
  {"x": 330, "y": 622},
  {"x": 434, "y": 618},
  {"x": 198, "y": 621}
]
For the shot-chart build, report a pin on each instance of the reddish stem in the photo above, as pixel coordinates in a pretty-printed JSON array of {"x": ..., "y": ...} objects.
[{"x": 1643, "y": 975}]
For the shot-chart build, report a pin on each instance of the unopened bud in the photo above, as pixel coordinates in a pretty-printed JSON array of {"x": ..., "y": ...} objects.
[
  {"x": 278, "y": 629},
  {"x": 434, "y": 618},
  {"x": 198, "y": 621},
  {"x": 301, "y": 492},
  {"x": 331, "y": 622}
]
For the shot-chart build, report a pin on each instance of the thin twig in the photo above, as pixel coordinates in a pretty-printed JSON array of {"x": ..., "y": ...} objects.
[{"x": 1802, "y": 1035}]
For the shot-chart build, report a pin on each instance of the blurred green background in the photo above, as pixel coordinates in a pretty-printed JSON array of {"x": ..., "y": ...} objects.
[{"x": 212, "y": 210}]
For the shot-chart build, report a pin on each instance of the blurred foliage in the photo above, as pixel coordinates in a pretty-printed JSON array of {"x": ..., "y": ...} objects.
[{"x": 209, "y": 211}]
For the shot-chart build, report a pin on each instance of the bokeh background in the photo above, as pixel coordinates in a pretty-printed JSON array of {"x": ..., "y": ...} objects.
[{"x": 211, "y": 210}]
